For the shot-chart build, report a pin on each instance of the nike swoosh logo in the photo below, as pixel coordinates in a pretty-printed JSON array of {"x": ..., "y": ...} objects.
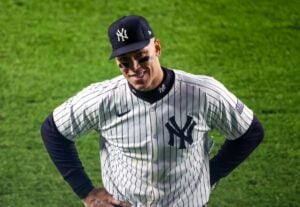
[{"x": 123, "y": 113}]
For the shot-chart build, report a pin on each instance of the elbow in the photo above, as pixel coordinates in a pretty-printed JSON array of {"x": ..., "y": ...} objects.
[{"x": 260, "y": 132}]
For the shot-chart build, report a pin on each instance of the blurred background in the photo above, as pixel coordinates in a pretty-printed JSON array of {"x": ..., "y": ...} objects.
[{"x": 49, "y": 50}]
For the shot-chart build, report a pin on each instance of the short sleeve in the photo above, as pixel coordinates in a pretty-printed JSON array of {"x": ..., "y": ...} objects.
[
  {"x": 78, "y": 115},
  {"x": 226, "y": 112}
]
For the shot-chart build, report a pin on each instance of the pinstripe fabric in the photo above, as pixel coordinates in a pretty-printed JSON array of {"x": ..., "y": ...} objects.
[{"x": 139, "y": 162}]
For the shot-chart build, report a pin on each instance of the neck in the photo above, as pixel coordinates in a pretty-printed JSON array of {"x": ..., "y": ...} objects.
[
  {"x": 158, "y": 79},
  {"x": 164, "y": 86}
]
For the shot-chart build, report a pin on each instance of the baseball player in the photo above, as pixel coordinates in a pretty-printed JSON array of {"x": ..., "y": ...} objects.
[{"x": 154, "y": 123}]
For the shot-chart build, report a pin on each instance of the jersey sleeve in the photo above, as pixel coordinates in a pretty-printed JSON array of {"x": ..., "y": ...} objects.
[
  {"x": 226, "y": 113},
  {"x": 79, "y": 114}
]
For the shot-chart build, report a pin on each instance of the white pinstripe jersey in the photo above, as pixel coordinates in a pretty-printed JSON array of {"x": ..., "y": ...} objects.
[{"x": 155, "y": 154}]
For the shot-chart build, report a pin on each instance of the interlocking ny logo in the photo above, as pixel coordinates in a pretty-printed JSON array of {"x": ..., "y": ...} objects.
[
  {"x": 122, "y": 35},
  {"x": 185, "y": 134}
]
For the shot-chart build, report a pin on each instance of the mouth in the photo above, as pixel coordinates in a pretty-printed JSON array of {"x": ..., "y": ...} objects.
[{"x": 139, "y": 74}]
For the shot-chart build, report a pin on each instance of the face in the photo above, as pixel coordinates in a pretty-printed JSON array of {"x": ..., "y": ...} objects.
[{"x": 142, "y": 68}]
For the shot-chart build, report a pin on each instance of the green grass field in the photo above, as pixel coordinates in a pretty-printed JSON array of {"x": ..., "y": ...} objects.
[{"x": 49, "y": 51}]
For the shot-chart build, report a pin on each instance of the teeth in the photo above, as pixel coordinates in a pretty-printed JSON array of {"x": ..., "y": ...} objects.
[{"x": 138, "y": 75}]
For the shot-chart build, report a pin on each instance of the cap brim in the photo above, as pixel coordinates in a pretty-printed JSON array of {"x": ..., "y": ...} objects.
[{"x": 129, "y": 48}]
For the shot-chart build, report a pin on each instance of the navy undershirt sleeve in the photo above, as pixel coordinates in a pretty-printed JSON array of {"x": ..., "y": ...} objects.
[
  {"x": 233, "y": 152},
  {"x": 65, "y": 157}
]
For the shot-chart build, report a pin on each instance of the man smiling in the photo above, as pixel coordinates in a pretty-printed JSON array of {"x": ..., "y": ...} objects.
[
  {"x": 154, "y": 123},
  {"x": 142, "y": 68}
]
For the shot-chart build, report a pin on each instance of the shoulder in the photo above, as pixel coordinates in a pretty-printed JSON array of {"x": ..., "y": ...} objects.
[
  {"x": 185, "y": 76},
  {"x": 105, "y": 87},
  {"x": 203, "y": 82},
  {"x": 95, "y": 93}
]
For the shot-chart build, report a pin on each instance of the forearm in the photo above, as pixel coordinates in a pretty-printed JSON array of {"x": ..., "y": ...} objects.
[
  {"x": 65, "y": 157},
  {"x": 233, "y": 152}
]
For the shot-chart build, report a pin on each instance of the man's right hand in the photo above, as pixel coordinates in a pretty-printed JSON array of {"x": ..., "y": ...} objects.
[{"x": 99, "y": 197}]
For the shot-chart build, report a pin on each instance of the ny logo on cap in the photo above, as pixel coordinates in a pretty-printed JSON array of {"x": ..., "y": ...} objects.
[{"x": 122, "y": 35}]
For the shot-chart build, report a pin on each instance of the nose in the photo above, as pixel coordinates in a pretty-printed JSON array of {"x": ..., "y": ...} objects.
[{"x": 135, "y": 65}]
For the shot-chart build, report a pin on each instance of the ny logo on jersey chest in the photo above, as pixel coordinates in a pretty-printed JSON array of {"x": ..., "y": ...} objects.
[{"x": 185, "y": 134}]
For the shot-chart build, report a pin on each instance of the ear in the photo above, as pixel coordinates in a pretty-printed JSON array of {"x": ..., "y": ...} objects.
[{"x": 157, "y": 47}]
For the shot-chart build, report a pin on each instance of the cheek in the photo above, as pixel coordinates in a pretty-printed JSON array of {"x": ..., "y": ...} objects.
[{"x": 123, "y": 72}]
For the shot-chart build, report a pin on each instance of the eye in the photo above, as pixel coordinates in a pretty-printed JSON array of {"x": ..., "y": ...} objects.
[
  {"x": 144, "y": 59},
  {"x": 123, "y": 65}
]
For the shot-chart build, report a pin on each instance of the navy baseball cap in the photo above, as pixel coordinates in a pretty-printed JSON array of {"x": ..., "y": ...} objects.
[{"x": 128, "y": 34}]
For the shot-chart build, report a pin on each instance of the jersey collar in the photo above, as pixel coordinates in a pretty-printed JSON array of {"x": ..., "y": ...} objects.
[{"x": 160, "y": 91}]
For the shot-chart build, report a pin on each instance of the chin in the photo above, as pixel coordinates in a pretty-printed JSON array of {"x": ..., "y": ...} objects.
[{"x": 140, "y": 88}]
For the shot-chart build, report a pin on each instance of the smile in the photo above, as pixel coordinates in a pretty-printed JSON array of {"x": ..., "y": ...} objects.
[{"x": 139, "y": 74}]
